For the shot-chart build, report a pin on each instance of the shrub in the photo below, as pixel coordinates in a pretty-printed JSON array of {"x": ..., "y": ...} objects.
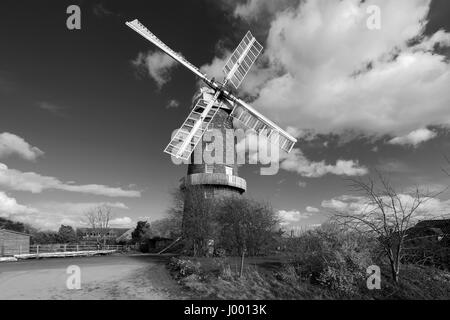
[
  {"x": 244, "y": 223},
  {"x": 287, "y": 274},
  {"x": 332, "y": 257},
  {"x": 340, "y": 279},
  {"x": 235, "y": 224},
  {"x": 184, "y": 267},
  {"x": 220, "y": 252}
]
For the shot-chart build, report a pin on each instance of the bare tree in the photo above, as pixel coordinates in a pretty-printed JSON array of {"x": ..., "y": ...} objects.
[
  {"x": 385, "y": 214},
  {"x": 98, "y": 219}
]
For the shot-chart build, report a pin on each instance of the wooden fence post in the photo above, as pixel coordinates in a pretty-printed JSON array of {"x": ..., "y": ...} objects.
[
  {"x": 37, "y": 250},
  {"x": 242, "y": 264}
]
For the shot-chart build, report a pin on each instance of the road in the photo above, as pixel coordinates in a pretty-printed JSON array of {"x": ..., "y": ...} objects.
[{"x": 116, "y": 277}]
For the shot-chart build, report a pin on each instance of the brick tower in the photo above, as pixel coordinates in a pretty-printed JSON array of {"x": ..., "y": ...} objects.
[{"x": 218, "y": 180}]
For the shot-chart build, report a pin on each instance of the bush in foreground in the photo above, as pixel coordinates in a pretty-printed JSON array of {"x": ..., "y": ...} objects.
[
  {"x": 326, "y": 263},
  {"x": 332, "y": 257}
]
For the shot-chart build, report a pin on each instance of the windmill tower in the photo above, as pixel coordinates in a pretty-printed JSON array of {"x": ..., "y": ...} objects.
[
  {"x": 216, "y": 179},
  {"x": 217, "y": 108}
]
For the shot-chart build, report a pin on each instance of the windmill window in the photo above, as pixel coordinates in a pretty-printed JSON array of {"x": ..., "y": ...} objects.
[
  {"x": 209, "y": 168},
  {"x": 229, "y": 171}
]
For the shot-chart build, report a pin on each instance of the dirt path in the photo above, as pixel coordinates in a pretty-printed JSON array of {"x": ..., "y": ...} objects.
[{"x": 109, "y": 277}]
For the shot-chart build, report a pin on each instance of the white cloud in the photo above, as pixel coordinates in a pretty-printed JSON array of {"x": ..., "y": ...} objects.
[
  {"x": 298, "y": 230},
  {"x": 296, "y": 133},
  {"x": 297, "y": 162},
  {"x": 11, "y": 144},
  {"x": 50, "y": 215},
  {"x": 252, "y": 9},
  {"x": 78, "y": 208},
  {"x": 312, "y": 209},
  {"x": 325, "y": 70},
  {"x": 428, "y": 188},
  {"x": 122, "y": 222},
  {"x": 344, "y": 203},
  {"x": 393, "y": 165},
  {"x": 302, "y": 184},
  {"x": 36, "y": 183},
  {"x": 9, "y": 206},
  {"x": 414, "y": 138},
  {"x": 292, "y": 216},
  {"x": 432, "y": 208},
  {"x": 10, "y": 209},
  {"x": 100, "y": 10},
  {"x": 173, "y": 104},
  {"x": 157, "y": 64},
  {"x": 53, "y": 108}
]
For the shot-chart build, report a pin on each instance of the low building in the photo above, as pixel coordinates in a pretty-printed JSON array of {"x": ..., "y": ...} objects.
[
  {"x": 430, "y": 231},
  {"x": 13, "y": 242},
  {"x": 110, "y": 235},
  {"x": 428, "y": 243},
  {"x": 156, "y": 244},
  {"x": 126, "y": 237}
]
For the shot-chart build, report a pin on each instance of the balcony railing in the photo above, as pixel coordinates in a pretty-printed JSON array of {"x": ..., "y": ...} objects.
[{"x": 219, "y": 179}]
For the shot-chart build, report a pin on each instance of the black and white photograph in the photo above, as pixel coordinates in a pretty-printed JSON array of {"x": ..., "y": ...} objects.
[{"x": 204, "y": 152}]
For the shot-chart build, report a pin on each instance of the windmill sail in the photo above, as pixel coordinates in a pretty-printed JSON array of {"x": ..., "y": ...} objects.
[
  {"x": 256, "y": 121},
  {"x": 242, "y": 59},
  {"x": 191, "y": 132},
  {"x": 147, "y": 34}
]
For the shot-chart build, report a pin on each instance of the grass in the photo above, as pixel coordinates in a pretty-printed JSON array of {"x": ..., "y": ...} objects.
[
  {"x": 416, "y": 283},
  {"x": 274, "y": 278},
  {"x": 262, "y": 264}
]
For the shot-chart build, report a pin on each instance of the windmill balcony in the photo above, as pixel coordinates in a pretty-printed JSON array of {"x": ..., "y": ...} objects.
[{"x": 214, "y": 179}]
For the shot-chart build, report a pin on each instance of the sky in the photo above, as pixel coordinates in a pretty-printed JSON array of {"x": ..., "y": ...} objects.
[{"x": 86, "y": 114}]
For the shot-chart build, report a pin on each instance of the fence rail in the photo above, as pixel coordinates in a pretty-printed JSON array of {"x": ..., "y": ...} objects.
[{"x": 51, "y": 248}]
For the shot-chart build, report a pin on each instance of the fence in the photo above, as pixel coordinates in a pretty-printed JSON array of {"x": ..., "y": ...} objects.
[{"x": 51, "y": 248}]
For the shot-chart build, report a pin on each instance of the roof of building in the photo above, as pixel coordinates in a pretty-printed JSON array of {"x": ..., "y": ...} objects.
[
  {"x": 444, "y": 225},
  {"x": 429, "y": 228},
  {"x": 126, "y": 236},
  {"x": 120, "y": 231},
  {"x": 16, "y": 232}
]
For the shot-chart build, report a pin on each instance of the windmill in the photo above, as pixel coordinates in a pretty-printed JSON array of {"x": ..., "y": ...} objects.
[{"x": 213, "y": 108}]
